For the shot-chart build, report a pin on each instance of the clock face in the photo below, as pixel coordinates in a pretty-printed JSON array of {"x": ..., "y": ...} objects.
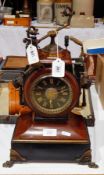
[{"x": 51, "y": 96}]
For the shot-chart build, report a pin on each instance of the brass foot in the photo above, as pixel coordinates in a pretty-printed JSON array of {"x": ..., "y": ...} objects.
[
  {"x": 93, "y": 165},
  {"x": 8, "y": 164},
  {"x": 85, "y": 159}
]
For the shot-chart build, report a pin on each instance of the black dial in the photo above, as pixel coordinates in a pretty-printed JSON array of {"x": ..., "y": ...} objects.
[{"x": 51, "y": 95}]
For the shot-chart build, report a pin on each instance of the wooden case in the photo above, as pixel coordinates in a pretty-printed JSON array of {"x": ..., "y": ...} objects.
[
  {"x": 67, "y": 144},
  {"x": 15, "y": 62},
  {"x": 90, "y": 65},
  {"x": 17, "y": 21},
  {"x": 100, "y": 78}
]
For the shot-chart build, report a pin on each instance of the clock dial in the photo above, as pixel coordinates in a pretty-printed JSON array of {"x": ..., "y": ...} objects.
[{"x": 49, "y": 97}]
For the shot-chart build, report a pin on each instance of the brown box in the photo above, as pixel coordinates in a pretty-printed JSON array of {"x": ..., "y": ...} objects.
[
  {"x": 82, "y": 21},
  {"x": 17, "y": 21},
  {"x": 100, "y": 78},
  {"x": 15, "y": 62}
]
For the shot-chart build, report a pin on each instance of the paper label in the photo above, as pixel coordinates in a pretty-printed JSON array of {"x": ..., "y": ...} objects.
[
  {"x": 10, "y": 22},
  {"x": 49, "y": 132},
  {"x": 65, "y": 133},
  {"x": 32, "y": 54},
  {"x": 9, "y": 16},
  {"x": 58, "y": 68}
]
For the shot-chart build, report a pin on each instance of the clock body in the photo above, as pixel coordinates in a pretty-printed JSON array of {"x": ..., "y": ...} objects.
[{"x": 51, "y": 96}]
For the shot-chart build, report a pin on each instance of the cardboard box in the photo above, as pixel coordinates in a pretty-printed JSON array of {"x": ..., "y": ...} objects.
[
  {"x": 82, "y": 21},
  {"x": 94, "y": 46}
]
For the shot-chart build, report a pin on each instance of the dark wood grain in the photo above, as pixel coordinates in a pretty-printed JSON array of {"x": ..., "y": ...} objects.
[{"x": 29, "y": 130}]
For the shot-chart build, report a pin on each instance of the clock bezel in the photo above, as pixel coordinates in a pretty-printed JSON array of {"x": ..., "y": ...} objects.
[{"x": 46, "y": 72}]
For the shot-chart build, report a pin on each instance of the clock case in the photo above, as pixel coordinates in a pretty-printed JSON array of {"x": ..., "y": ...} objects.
[
  {"x": 49, "y": 139},
  {"x": 15, "y": 66},
  {"x": 67, "y": 140}
]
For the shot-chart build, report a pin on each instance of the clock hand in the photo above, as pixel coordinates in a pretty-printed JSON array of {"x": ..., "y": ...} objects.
[
  {"x": 63, "y": 90},
  {"x": 59, "y": 92},
  {"x": 39, "y": 89},
  {"x": 50, "y": 102}
]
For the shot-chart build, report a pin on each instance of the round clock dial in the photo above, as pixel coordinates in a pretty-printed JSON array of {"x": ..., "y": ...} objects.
[{"x": 50, "y": 95}]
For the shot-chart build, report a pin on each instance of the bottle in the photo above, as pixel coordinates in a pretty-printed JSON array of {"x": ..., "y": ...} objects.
[
  {"x": 63, "y": 11},
  {"x": 44, "y": 11}
]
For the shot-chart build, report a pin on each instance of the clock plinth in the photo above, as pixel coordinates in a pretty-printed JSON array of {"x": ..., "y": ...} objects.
[{"x": 50, "y": 142}]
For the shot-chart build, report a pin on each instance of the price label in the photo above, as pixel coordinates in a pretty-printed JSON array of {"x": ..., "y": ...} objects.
[
  {"x": 58, "y": 68},
  {"x": 49, "y": 132},
  {"x": 32, "y": 54},
  {"x": 65, "y": 133}
]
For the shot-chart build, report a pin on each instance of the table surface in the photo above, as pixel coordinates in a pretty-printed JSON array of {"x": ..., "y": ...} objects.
[{"x": 11, "y": 38}]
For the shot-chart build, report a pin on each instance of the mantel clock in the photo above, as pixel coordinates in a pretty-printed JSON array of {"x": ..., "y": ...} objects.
[{"x": 47, "y": 129}]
